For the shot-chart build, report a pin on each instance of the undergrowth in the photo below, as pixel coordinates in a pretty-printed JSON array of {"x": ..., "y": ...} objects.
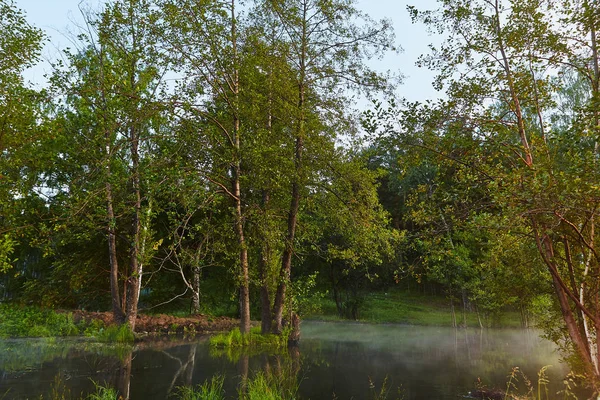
[
  {"x": 27, "y": 321},
  {"x": 30, "y": 321}
]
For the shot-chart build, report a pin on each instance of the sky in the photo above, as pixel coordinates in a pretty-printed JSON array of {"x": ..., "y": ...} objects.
[{"x": 59, "y": 17}]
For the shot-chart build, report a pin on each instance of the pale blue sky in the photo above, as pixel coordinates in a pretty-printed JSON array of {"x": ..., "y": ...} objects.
[{"x": 57, "y": 17}]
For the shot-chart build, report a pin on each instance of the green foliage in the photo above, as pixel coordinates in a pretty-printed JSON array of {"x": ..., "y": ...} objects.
[
  {"x": 94, "y": 328},
  {"x": 305, "y": 299},
  {"x": 498, "y": 181},
  {"x": 7, "y": 245},
  {"x": 23, "y": 148}
]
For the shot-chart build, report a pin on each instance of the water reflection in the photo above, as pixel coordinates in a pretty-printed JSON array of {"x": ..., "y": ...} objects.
[{"x": 340, "y": 361}]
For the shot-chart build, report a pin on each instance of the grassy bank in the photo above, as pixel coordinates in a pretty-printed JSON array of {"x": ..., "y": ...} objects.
[
  {"x": 30, "y": 321},
  {"x": 412, "y": 308}
]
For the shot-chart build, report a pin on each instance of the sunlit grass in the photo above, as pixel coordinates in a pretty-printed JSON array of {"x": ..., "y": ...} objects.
[
  {"x": 401, "y": 307},
  {"x": 266, "y": 386},
  {"x": 103, "y": 393},
  {"x": 116, "y": 334},
  {"x": 254, "y": 338},
  {"x": 209, "y": 390}
]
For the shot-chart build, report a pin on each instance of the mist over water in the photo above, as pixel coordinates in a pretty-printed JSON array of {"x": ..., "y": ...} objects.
[
  {"x": 426, "y": 362},
  {"x": 334, "y": 360}
]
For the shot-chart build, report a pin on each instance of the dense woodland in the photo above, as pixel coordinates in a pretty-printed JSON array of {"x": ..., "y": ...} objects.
[{"x": 208, "y": 156}]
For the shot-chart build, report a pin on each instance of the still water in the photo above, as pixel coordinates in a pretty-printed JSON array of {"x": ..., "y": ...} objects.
[{"x": 333, "y": 361}]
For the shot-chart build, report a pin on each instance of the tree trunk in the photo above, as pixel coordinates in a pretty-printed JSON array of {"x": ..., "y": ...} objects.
[
  {"x": 294, "y": 337},
  {"x": 263, "y": 269},
  {"x": 135, "y": 263},
  {"x": 266, "y": 319},
  {"x": 336, "y": 294},
  {"x": 196, "y": 289},
  {"x": 286, "y": 259},
  {"x": 580, "y": 343},
  {"x": 528, "y": 158},
  {"x": 263, "y": 272},
  {"x": 243, "y": 257},
  {"x": 118, "y": 315},
  {"x": 244, "y": 290}
]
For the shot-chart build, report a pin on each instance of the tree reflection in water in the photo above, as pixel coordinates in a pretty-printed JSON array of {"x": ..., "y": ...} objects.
[
  {"x": 345, "y": 359},
  {"x": 254, "y": 372}
]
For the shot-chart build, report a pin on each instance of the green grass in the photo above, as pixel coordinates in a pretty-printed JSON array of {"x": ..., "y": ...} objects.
[
  {"x": 401, "y": 307},
  {"x": 103, "y": 393},
  {"x": 266, "y": 386},
  {"x": 115, "y": 334},
  {"x": 254, "y": 338},
  {"x": 209, "y": 390}
]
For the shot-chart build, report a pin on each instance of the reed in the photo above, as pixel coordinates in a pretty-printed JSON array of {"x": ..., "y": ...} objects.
[{"x": 209, "y": 390}]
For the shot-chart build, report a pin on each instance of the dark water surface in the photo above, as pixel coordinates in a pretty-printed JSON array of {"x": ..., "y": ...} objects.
[{"x": 334, "y": 360}]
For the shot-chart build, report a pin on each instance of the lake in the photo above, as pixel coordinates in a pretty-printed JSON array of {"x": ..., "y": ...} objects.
[{"x": 333, "y": 361}]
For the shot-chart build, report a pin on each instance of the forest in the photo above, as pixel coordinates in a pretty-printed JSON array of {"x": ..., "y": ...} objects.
[{"x": 218, "y": 157}]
